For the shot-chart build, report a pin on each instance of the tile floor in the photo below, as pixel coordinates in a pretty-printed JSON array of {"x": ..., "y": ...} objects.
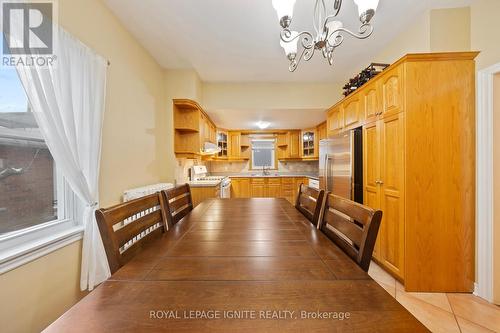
[{"x": 441, "y": 312}]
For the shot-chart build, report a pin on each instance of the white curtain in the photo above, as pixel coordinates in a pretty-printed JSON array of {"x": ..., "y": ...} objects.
[{"x": 68, "y": 101}]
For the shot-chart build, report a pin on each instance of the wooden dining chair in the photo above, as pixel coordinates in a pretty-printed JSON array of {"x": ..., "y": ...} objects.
[
  {"x": 352, "y": 226},
  {"x": 127, "y": 227},
  {"x": 178, "y": 203},
  {"x": 309, "y": 202}
]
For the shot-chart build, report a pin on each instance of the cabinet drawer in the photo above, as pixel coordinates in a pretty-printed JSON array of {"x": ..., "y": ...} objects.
[{"x": 274, "y": 181}]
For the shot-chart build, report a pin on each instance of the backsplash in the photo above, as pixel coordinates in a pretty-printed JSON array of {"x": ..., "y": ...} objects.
[{"x": 284, "y": 167}]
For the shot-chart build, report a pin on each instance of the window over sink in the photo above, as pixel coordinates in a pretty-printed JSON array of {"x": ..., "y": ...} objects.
[{"x": 263, "y": 154}]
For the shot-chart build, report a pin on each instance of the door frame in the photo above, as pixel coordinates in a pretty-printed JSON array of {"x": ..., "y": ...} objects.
[{"x": 484, "y": 183}]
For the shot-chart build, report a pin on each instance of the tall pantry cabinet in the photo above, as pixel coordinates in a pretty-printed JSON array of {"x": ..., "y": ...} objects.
[{"x": 418, "y": 120}]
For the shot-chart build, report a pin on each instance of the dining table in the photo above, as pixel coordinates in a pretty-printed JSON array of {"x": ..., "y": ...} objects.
[{"x": 239, "y": 265}]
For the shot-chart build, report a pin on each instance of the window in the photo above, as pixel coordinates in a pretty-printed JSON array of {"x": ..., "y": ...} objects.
[
  {"x": 35, "y": 202},
  {"x": 263, "y": 154}
]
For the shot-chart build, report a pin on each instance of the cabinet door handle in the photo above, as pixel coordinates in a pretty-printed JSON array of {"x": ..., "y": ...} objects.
[{"x": 379, "y": 182}]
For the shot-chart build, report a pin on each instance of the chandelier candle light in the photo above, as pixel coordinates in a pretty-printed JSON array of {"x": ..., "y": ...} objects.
[{"x": 329, "y": 32}]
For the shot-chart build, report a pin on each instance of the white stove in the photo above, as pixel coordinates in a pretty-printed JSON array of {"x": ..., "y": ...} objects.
[{"x": 200, "y": 177}]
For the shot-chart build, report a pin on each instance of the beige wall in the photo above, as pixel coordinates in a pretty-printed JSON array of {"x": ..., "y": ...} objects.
[
  {"x": 496, "y": 190},
  {"x": 270, "y": 95},
  {"x": 450, "y": 29},
  {"x": 135, "y": 133},
  {"x": 415, "y": 39},
  {"x": 485, "y": 32},
  {"x": 34, "y": 295},
  {"x": 135, "y": 151}
]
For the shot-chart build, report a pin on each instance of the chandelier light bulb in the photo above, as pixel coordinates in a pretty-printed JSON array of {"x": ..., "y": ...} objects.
[
  {"x": 284, "y": 10},
  {"x": 366, "y": 9}
]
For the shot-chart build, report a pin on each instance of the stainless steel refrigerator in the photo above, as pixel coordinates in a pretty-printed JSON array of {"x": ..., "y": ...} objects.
[{"x": 341, "y": 165}]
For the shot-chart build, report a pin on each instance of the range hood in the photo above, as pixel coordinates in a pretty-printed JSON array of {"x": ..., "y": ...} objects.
[{"x": 210, "y": 149}]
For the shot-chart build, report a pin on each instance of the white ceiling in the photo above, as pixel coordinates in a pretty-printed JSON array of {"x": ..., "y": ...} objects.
[
  {"x": 278, "y": 118},
  {"x": 238, "y": 41}
]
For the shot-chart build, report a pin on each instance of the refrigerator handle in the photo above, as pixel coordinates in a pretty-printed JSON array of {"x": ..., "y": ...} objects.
[{"x": 326, "y": 172}]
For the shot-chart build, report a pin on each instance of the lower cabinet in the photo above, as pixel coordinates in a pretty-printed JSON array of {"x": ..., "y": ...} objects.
[
  {"x": 383, "y": 188},
  {"x": 267, "y": 187},
  {"x": 200, "y": 194},
  {"x": 240, "y": 188}
]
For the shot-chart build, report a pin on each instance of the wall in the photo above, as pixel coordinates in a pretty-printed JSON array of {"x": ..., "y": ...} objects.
[
  {"x": 34, "y": 295},
  {"x": 135, "y": 152},
  {"x": 450, "y": 29},
  {"x": 496, "y": 189},
  {"x": 270, "y": 95},
  {"x": 415, "y": 39},
  {"x": 485, "y": 32}
]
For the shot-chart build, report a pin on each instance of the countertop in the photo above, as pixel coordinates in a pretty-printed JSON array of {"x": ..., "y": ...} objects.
[{"x": 271, "y": 175}]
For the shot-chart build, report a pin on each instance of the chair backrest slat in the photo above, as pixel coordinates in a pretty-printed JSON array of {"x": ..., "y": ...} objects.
[
  {"x": 127, "y": 226},
  {"x": 352, "y": 226},
  {"x": 178, "y": 203},
  {"x": 309, "y": 203}
]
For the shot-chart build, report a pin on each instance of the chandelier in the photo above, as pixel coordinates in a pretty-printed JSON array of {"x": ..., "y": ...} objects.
[{"x": 329, "y": 33}]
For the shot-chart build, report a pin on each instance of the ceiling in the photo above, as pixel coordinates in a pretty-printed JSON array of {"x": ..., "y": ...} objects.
[
  {"x": 238, "y": 41},
  {"x": 277, "y": 118}
]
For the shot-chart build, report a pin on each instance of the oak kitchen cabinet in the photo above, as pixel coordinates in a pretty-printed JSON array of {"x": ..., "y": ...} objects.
[
  {"x": 201, "y": 193},
  {"x": 419, "y": 169},
  {"x": 322, "y": 132},
  {"x": 192, "y": 128},
  {"x": 289, "y": 145},
  {"x": 267, "y": 187}
]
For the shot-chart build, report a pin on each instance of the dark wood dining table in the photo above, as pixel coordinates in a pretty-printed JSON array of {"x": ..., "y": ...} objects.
[{"x": 239, "y": 265}]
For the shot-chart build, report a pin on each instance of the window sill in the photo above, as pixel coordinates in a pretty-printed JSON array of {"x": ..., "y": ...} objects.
[{"x": 20, "y": 255}]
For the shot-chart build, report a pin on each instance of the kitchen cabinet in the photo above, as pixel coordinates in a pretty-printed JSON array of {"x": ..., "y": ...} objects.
[
  {"x": 289, "y": 145},
  {"x": 223, "y": 144},
  {"x": 257, "y": 187},
  {"x": 192, "y": 128},
  {"x": 383, "y": 187},
  {"x": 309, "y": 141},
  {"x": 294, "y": 144},
  {"x": 352, "y": 111},
  {"x": 288, "y": 189},
  {"x": 334, "y": 120},
  {"x": 322, "y": 132},
  {"x": 267, "y": 187},
  {"x": 419, "y": 168},
  {"x": 199, "y": 194},
  {"x": 371, "y": 102},
  {"x": 234, "y": 145},
  {"x": 240, "y": 188},
  {"x": 392, "y": 91},
  {"x": 273, "y": 188}
]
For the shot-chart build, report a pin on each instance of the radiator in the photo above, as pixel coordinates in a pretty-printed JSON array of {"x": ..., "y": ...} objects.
[{"x": 145, "y": 190}]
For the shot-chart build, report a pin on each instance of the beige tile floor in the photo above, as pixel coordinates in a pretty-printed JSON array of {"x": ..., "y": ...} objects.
[{"x": 441, "y": 312}]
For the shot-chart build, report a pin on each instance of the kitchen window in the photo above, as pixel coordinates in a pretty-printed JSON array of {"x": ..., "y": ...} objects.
[
  {"x": 37, "y": 207},
  {"x": 263, "y": 154}
]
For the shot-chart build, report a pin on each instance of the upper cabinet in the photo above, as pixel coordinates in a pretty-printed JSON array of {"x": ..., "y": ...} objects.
[
  {"x": 321, "y": 132},
  {"x": 334, "y": 120},
  {"x": 309, "y": 144},
  {"x": 192, "y": 128},
  {"x": 352, "y": 111},
  {"x": 391, "y": 86}
]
